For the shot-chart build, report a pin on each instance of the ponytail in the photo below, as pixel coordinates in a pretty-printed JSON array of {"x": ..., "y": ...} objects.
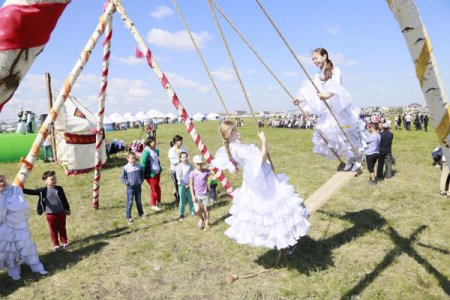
[
  {"x": 230, "y": 157},
  {"x": 328, "y": 72},
  {"x": 225, "y": 129}
]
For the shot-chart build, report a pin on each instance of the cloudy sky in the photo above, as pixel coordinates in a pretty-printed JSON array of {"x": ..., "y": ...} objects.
[{"x": 362, "y": 37}]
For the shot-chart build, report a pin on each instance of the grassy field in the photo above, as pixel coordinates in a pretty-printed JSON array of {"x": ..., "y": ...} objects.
[{"x": 389, "y": 241}]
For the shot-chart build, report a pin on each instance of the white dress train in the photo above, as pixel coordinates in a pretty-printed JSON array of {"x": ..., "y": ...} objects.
[
  {"x": 16, "y": 246},
  {"x": 266, "y": 211}
]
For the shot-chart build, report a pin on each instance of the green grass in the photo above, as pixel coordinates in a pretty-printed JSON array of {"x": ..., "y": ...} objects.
[{"x": 389, "y": 241}]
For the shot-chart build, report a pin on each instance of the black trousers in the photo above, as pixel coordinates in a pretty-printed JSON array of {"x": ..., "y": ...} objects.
[
  {"x": 371, "y": 161},
  {"x": 384, "y": 158},
  {"x": 175, "y": 182}
]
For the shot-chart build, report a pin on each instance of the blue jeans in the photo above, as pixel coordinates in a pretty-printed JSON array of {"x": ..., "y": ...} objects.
[
  {"x": 136, "y": 192},
  {"x": 47, "y": 152}
]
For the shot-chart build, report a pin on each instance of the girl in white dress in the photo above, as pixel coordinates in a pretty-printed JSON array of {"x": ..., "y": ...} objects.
[
  {"x": 266, "y": 211},
  {"x": 329, "y": 82},
  {"x": 16, "y": 246}
]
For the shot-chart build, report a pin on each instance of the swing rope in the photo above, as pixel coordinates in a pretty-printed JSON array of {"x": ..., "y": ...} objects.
[
  {"x": 270, "y": 71},
  {"x": 201, "y": 57},
  {"x": 357, "y": 156},
  {"x": 237, "y": 74}
]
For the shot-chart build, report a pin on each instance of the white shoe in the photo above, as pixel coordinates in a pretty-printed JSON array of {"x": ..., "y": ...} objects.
[
  {"x": 155, "y": 208},
  {"x": 348, "y": 165},
  {"x": 356, "y": 166}
]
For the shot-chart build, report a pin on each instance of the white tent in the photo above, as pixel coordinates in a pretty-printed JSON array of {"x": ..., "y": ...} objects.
[
  {"x": 171, "y": 116},
  {"x": 198, "y": 117},
  {"x": 107, "y": 124},
  {"x": 75, "y": 129},
  {"x": 212, "y": 116},
  {"x": 116, "y": 118},
  {"x": 129, "y": 117},
  {"x": 141, "y": 116},
  {"x": 154, "y": 114}
]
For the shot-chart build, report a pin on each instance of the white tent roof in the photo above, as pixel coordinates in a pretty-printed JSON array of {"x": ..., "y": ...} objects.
[
  {"x": 198, "y": 116},
  {"x": 212, "y": 116},
  {"x": 107, "y": 120},
  {"x": 153, "y": 113},
  {"x": 141, "y": 116},
  {"x": 129, "y": 117},
  {"x": 116, "y": 118},
  {"x": 74, "y": 117},
  {"x": 171, "y": 116}
]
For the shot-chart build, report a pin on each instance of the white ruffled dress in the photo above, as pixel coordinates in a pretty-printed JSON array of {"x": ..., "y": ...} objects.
[
  {"x": 16, "y": 246},
  {"x": 266, "y": 211},
  {"x": 345, "y": 111}
]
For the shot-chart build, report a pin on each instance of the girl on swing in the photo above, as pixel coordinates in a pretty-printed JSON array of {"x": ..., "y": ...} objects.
[
  {"x": 266, "y": 211},
  {"x": 329, "y": 82}
]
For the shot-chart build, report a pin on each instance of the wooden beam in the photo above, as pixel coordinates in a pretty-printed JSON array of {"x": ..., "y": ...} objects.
[{"x": 326, "y": 191}]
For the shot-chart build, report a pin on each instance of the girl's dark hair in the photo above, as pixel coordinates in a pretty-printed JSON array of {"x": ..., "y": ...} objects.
[
  {"x": 181, "y": 153},
  {"x": 48, "y": 174},
  {"x": 328, "y": 72},
  {"x": 175, "y": 139},
  {"x": 149, "y": 140}
]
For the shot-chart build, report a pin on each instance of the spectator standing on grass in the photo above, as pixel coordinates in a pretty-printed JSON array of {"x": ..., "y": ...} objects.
[
  {"x": 425, "y": 122},
  {"x": 417, "y": 124},
  {"x": 408, "y": 120},
  {"x": 132, "y": 176},
  {"x": 373, "y": 144},
  {"x": 176, "y": 147},
  {"x": 183, "y": 171},
  {"x": 213, "y": 182},
  {"x": 16, "y": 246},
  {"x": 53, "y": 201},
  {"x": 385, "y": 153},
  {"x": 198, "y": 183},
  {"x": 48, "y": 155},
  {"x": 445, "y": 177},
  {"x": 151, "y": 166},
  {"x": 154, "y": 127}
]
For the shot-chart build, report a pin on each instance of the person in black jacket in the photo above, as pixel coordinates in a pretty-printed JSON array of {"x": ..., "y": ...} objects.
[
  {"x": 385, "y": 153},
  {"x": 53, "y": 201}
]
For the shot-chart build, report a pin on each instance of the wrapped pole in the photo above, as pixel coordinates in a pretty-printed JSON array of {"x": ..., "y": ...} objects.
[
  {"x": 100, "y": 132},
  {"x": 419, "y": 45},
  {"x": 27, "y": 164},
  {"x": 25, "y": 28},
  {"x": 171, "y": 93}
]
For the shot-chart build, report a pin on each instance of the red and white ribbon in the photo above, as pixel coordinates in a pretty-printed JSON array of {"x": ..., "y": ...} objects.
[
  {"x": 63, "y": 94},
  {"x": 171, "y": 93},
  {"x": 25, "y": 28}
]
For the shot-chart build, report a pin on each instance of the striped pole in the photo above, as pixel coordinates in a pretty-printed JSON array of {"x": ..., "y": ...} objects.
[
  {"x": 100, "y": 133},
  {"x": 419, "y": 45},
  {"x": 26, "y": 26},
  {"x": 171, "y": 93},
  {"x": 27, "y": 164}
]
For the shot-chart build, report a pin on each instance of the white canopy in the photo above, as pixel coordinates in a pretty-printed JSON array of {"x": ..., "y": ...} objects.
[
  {"x": 171, "y": 116},
  {"x": 141, "y": 116},
  {"x": 153, "y": 113},
  {"x": 129, "y": 117},
  {"x": 212, "y": 116},
  {"x": 198, "y": 117},
  {"x": 107, "y": 120},
  {"x": 116, "y": 118}
]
